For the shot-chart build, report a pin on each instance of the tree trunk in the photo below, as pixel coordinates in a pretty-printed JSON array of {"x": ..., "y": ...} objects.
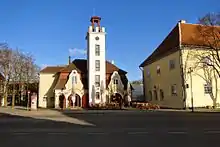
[
  {"x": 28, "y": 98},
  {"x": 5, "y": 95}
]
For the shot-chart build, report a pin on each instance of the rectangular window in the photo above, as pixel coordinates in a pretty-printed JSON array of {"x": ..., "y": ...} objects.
[
  {"x": 74, "y": 80},
  {"x": 97, "y": 95},
  {"x": 174, "y": 89},
  {"x": 207, "y": 88},
  {"x": 97, "y": 50},
  {"x": 97, "y": 65},
  {"x": 148, "y": 72},
  {"x": 97, "y": 80},
  {"x": 158, "y": 70},
  {"x": 115, "y": 81},
  {"x": 172, "y": 64}
]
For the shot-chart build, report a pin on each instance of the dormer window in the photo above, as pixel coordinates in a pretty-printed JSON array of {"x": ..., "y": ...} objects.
[
  {"x": 74, "y": 79},
  {"x": 116, "y": 81}
]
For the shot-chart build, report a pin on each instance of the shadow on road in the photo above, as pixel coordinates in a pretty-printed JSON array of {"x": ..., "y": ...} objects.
[{"x": 10, "y": 122}]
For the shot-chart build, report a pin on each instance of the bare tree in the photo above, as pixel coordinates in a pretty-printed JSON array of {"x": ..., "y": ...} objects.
[
  {"x": 5, "y": 67},
  {"x": 206, "y": 56},
  {"x": 210, "y": 36}
]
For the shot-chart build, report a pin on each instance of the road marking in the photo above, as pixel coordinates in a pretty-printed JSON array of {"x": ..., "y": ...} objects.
[
  {"x": 21, "y": 133},
  {"x": 56, "y": 133},
  {"x": 96, "y": 133},
  {"x": 133, "y": 133},
  {"x": 212, "y": 132},
  {"x": 177, "y": 132}
]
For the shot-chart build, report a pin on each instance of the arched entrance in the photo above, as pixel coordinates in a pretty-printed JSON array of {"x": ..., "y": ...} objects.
[
  {"x": 62, "y": 101},
  {"x": 70, "y": 101},
  {"x": 77, "y": 100},
  {"x": 116, "y": 98}
]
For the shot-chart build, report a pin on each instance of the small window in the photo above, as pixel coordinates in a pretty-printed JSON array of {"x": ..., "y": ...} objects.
[
  {"x": 148, "y": 72},
  {"x": 97, "y": 65},
  {"x": 208, "y": 88},
  {"x": 97, "y": 50},
  {"x": 172, "y": 64},
  {"x": 97, "y": 80},
  {"x": 155, "y": 95},
  {"x": 173, "y": 90},
  {"x": 116, "y": 81},
  {"x": 74, "y": 80},
  {"x": 158, "y": 70},
  {"x": 97, "y": 95},
  {"x": 161, "y": 94}
]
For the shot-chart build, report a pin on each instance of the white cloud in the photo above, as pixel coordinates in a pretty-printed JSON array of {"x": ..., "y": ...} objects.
[{"x": 76, "y": 51}]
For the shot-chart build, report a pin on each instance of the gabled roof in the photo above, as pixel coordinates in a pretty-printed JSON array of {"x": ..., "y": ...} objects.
[
  {"x": 181, "y": 34},
  {"x": 69, "y": 68},
  {"x": 81, "y": 65},
  {"x": 52, "y": 69}
]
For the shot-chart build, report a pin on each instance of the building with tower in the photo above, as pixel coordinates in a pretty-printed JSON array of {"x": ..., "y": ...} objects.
[{"x": 82, "y": 83}]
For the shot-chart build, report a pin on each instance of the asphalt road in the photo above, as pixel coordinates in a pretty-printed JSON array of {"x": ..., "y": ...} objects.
[{"x": 130, "y": 129}]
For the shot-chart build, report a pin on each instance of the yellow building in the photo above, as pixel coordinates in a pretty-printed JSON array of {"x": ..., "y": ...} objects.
[{"x": 176, "y": 63}]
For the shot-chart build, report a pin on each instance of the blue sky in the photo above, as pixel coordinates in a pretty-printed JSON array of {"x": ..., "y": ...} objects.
[{"x": 50, "y": 28}]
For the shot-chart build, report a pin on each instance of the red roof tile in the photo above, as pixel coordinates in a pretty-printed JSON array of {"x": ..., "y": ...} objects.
[{"x": 184, "y": 34}]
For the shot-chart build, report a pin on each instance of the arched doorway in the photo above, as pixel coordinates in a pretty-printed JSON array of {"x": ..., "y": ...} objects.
[
  {"x": 70, "y": 101},
  {"x": 62, "y": 101},
  {"x": 77, "y": 100}
]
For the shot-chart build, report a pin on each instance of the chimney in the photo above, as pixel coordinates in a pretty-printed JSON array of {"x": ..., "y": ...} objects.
[
  {"x": 69, "y": 60},
  {"x": 182, "y": 21},
  {"x": 113, "y": 62}
]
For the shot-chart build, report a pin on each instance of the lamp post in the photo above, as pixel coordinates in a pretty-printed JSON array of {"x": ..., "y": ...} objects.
[{"x": 190, "y": 72}]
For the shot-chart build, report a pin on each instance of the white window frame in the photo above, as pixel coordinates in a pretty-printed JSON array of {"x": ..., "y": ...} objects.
[
  {"x": 174, "y": 90},
  {"x": 97, "y": 80},
  {"x": 208, "y": 89},
  {"x": 172, "y": 64},
  {"x": 97, "y": 65},
  {"x": 97, "y": 50}
]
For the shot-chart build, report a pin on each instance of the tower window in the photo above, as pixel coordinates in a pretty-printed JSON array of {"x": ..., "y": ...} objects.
[
  {"x": 97, "y": 65},
  {"x": 97, "y": 80},
  {"x": 97, "y": 50}
]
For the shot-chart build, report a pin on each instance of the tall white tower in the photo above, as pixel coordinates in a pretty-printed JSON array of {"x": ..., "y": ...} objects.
[{"x": 96, "y": 65}]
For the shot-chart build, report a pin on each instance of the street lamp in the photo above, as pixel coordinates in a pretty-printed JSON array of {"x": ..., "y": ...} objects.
[{"x": 190, "y": 72}]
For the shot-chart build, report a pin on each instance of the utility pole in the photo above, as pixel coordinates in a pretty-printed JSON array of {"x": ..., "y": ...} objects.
[{"x": 190, "y": 72}]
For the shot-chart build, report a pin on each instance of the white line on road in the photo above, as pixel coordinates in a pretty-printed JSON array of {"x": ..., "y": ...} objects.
[
  {"x": 21, "y": 133},
  {"x": 56, "y": 133},
  {"x": 135, "y": 133},
  {"x": 96, "y": 133},
  {"x": 212, "y": 132},
  {"x": 177, "y": 132}
]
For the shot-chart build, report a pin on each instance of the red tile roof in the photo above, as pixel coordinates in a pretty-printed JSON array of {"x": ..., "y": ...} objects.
[
  {"x": 52, "y": 69},
  {"x": 181, "y": 34},
  {"x": 81, "y": 66}
]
